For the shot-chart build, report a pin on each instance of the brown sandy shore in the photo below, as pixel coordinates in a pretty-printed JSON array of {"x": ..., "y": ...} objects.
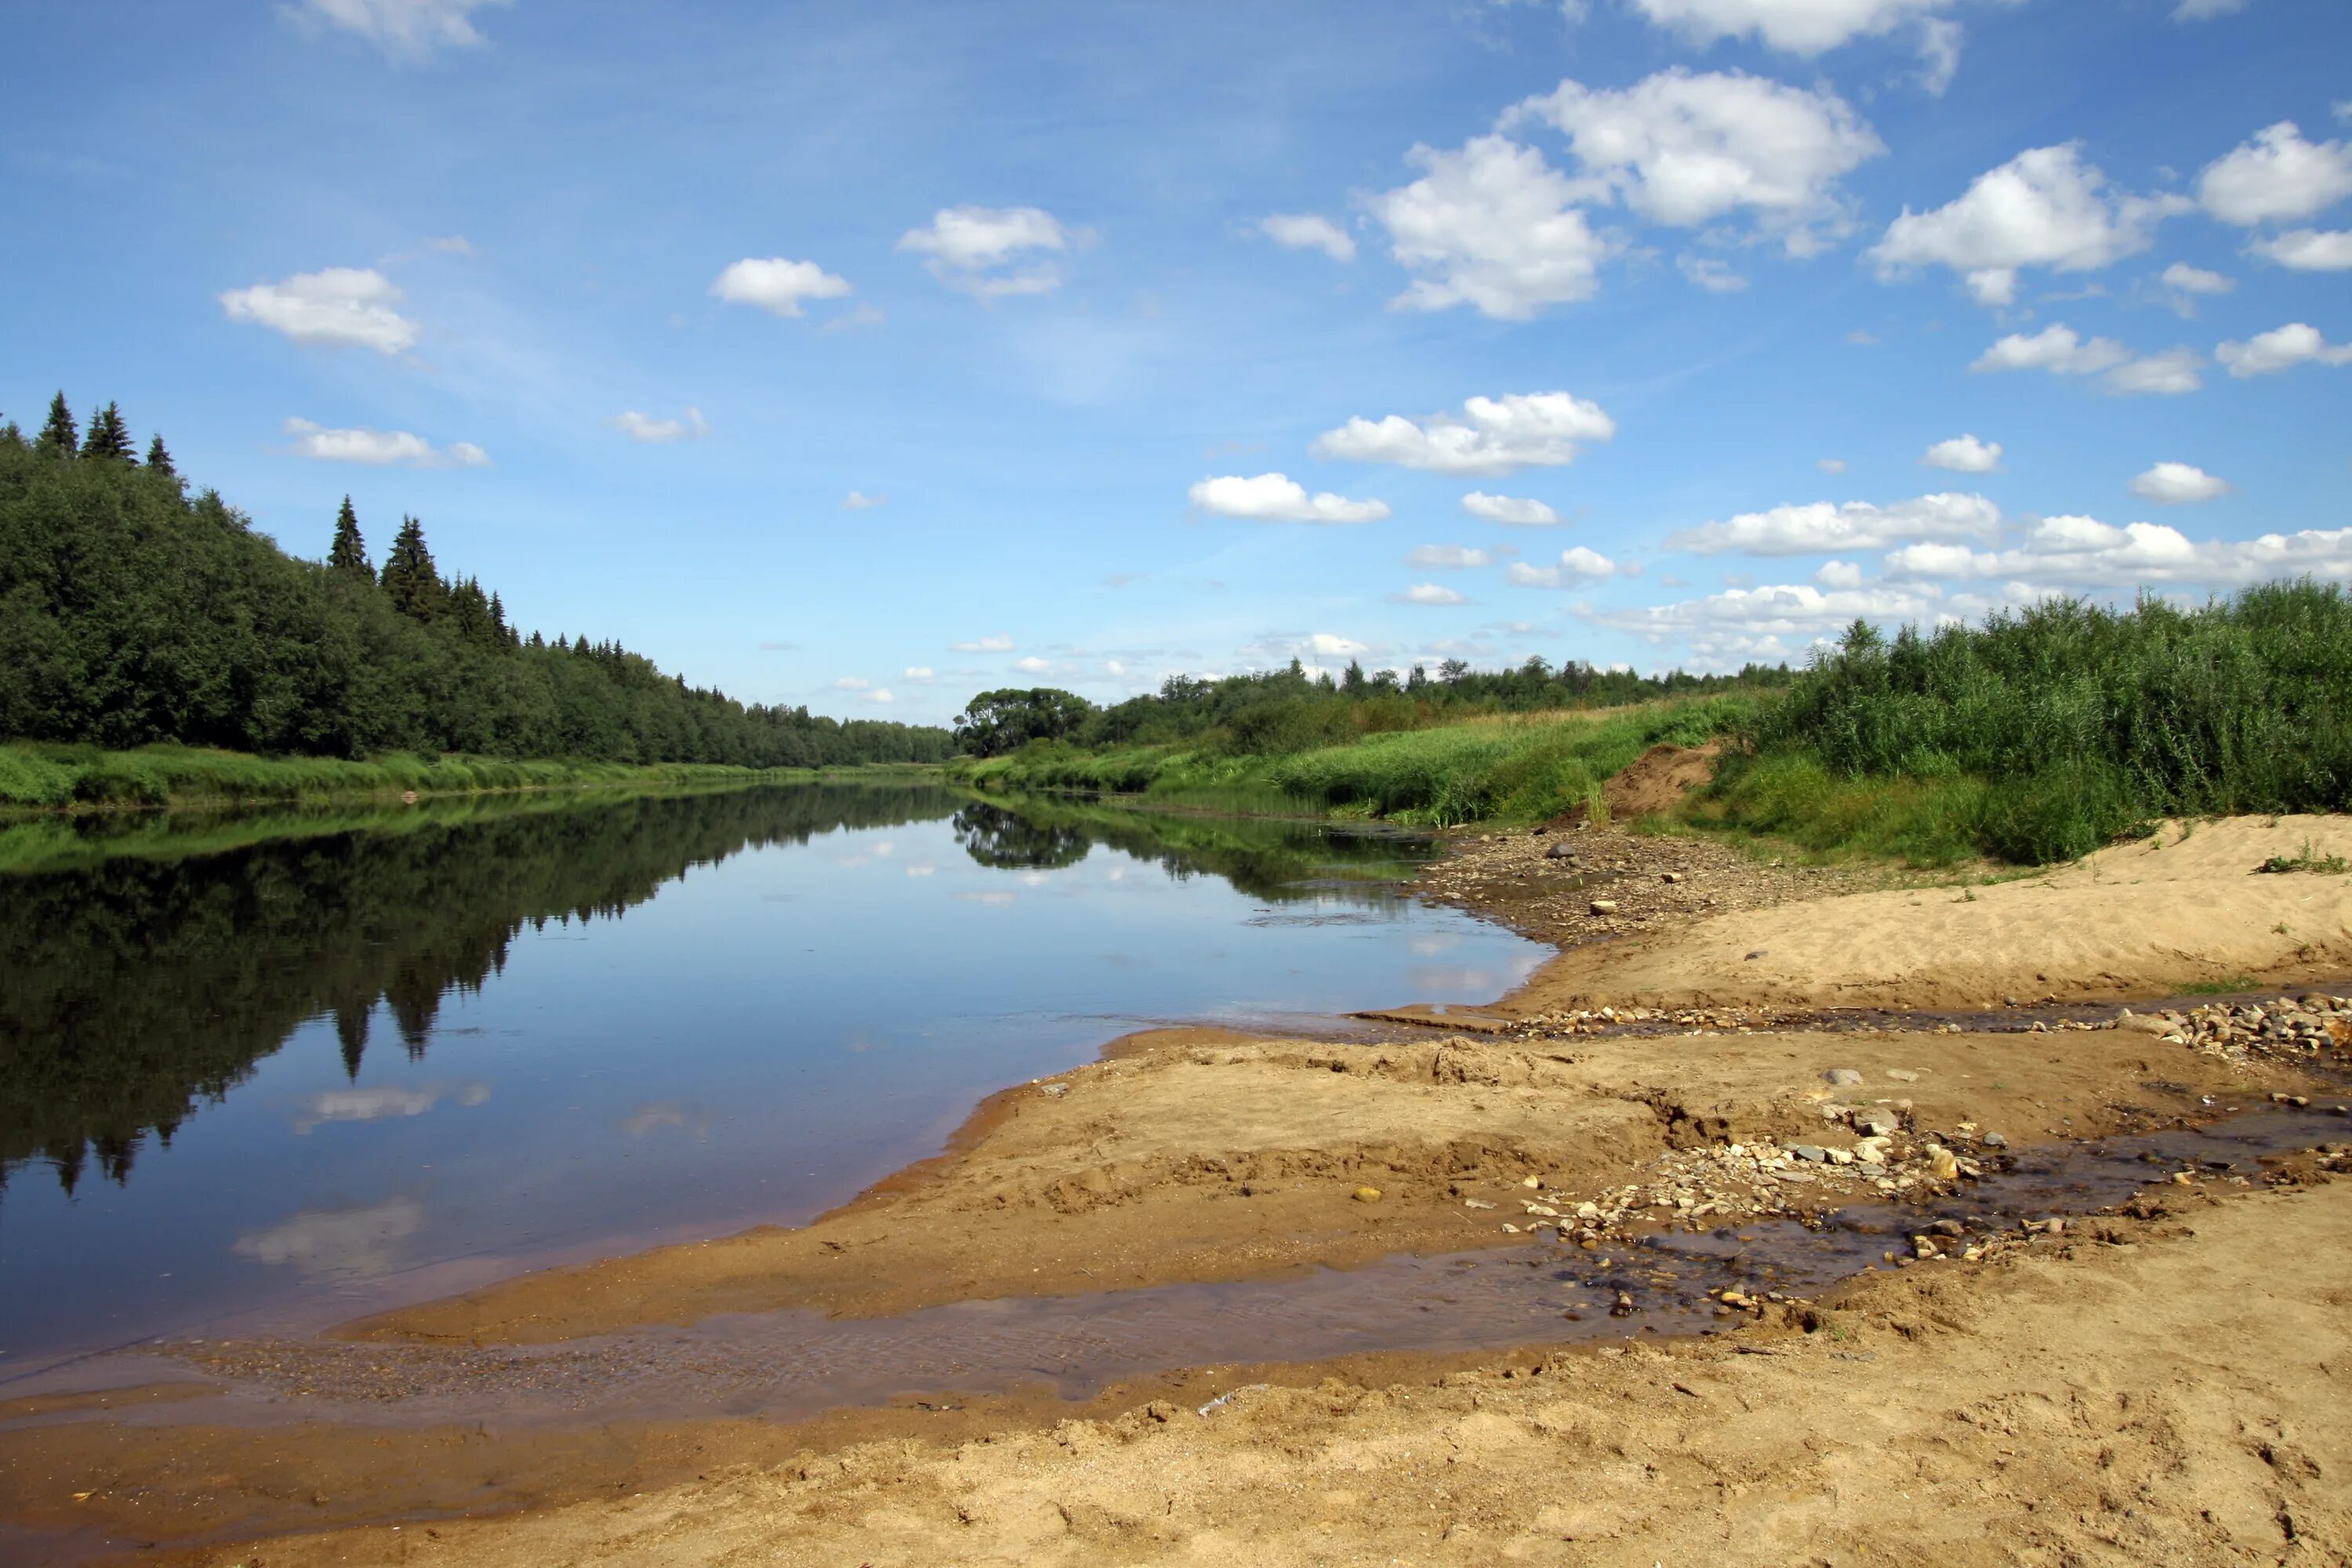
[{"x": 2165, "y": 1388}]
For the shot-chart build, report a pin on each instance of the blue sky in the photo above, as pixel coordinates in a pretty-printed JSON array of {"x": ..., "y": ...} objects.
[{"x": 868, "y": 356}]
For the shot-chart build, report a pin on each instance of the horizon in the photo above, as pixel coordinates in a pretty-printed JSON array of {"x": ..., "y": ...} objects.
[{"x": 863, "y": 363}]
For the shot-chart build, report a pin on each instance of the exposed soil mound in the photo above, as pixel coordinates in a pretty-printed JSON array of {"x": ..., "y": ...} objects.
[{"x": 1657, "y": 780}]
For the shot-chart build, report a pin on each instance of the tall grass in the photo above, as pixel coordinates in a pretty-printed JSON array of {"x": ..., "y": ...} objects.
[
  {"x": 2050, "y": 731},
  {"x": 56, "y": 776}
]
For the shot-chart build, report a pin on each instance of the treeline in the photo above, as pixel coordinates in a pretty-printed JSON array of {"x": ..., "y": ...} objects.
[
  {"x": 2050, "y": 731},
  {"x": 1279, "y": 711},
  {"x": 133, "y": 612}
]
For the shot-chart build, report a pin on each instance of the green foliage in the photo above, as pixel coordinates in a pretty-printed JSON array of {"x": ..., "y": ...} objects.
[
  {"x": 2309, "y": 859},
  {"x": 109, "y": 438},
  {"x": 2051, "y": 731},
  {"x": 348, "y": 553},
  {"x": 158, "y": 458},
  {"x": 132, "y": 614},
  {"x": 58, "y": 436},
  {"x": 998, "y": 722}
]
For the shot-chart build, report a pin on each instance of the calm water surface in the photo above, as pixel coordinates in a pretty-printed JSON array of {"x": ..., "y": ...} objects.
[{"x": 251, "y": 1086}]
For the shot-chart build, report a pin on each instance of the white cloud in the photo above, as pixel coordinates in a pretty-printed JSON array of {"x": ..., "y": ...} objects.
[
  {"x": 1000, "y": 643},
  {"x": 1821, "y": 527},
  {"x": 858, "y": 501},
  {"x": 452, "y": 244},
  {"x": 1963, "y": 455},
  {"x": 776, "y": 284},
  {"x": 981, "y": 250},
  {"x": 2082, "y": 553},
  {"x": 2046, "y": 208},
  {"x": 1831, "y": 465},
  {"x": 918, "y": 672},
  {"x": 1686, "y": 150},
  {"x": 1277, "y": 497},
  {"x": 1310, "y": 231},
  {"x": 637, "y": 426},
  {"x": 1447, "y": 557},
  {"x": 1711, "y": 273},
  {"x": 1577, "y": 564},
  {"x": 1796, "y": 26},
  {"x": 2205, "y": 10},
  {"x": 1492, "y": 227},
  {"x": 2172, "y": 483},
  {"x": 340, "y": 306},
  {"x": 1428, "y": 594},
  {"x": 1939, "y": 55},
  {"x": 2309, "y": 249},
  {"x": 1837, "y": 575},
  {"x": 2282, "y": 348},
  {"x": 2059, "y": 350},
  {"x": 2168, "y": 374},
  {"x": 1514, "y": 512},
  {"x": 1032, "y": 665},
  {"x": 2277, "y": 176},
  {"x": 403, "y": 29},
  {"x": 380, "y": 448},
  {"x": 880, "y": 696},
  {"x": 852, "y": 683},
  {"x": 1492, "y": 436},
  {"x": 338, "y": 1244},
  {"x": 1327, "y": 645},
  {"x": 1748, "y": 622},
  {"x": 2197, "y": 280}
]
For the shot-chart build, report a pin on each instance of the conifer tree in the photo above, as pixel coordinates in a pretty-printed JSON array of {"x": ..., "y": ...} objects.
[
  {"x": 348, "y": 553},
  {"x": 159, "y": 460},
  {"x": 410, "y": 579},
  {"x": 108, "y": 436},
  {"x": 58, "y": 436}
]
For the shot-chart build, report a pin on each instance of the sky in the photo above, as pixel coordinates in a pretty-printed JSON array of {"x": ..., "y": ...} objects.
[{"x": 867, "y": 357}]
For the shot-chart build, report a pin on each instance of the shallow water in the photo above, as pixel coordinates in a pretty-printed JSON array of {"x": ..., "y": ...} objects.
[{"x": 262, "y": 1085}]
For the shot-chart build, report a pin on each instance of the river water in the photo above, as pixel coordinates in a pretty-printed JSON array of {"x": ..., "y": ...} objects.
[{"x": 260, "y": 1075}]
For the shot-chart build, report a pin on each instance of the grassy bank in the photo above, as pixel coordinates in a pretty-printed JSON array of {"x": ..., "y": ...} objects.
[
  {"x": 1512, "y": 767},
  {"x": 40, "y": 777}
]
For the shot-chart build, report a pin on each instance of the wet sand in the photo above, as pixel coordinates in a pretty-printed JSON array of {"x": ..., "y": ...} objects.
[{"x": 1195, "y": 1155}]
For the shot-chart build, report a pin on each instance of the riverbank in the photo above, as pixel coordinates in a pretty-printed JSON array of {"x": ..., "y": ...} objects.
[
  {"x": 37, "y": 780},
  {"x": 1192, "y": 1156}
]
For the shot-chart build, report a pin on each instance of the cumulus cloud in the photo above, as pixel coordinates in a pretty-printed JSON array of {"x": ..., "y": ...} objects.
[
  {"x": 1686, "y": 150},
  {"x": 1837, "y": 575},
  {"x": 880, "y": 696},
  {"x": 1963, "y": 455},
  {"x": 1711, "y": 273},
  {"x": 1447, "y": 557},
  {"x": 1310, "y": 231},
  {"x": 1821, "y": 527},
  {"x": 858, "y": 501},
  {"x": 1795, "y": 27},
  {"x": 405, "y": 30},
  {"x": 1751, "y": 622},
  {"x": 776, "y": 284},
  {"x": 1832, "y": 465},
  {"x": 639, "y": 426},
  {"x": 2046, "y": 208},
  {"x": 1277, "y": 497},
  {"x": 2274, "y": 177},
  {"x": 1432, "y": 593},
  {"x": 339, "y": 306},
  {"x": 1328, "y": 645},
  {"x": 380, "y": 448},
  {"x": 2061, "y": 351},
  {"x": 1491, "y": 436},
  {"x": 994, "y": 252},
  {"x": 2281, "y": 348},
  {"x": 2170, "y": 484},
  {"x": 918, "y": 672},
  {"x": 852, "y": 683},
  {"x": 2060, "y": 553},
  {"x": 2309, "y": 249},
  {"x": 2196, "y": 280},
  {"x": 1514, "y": 512},
  {"x": 1577, "y": 564},
  {"x": 999, "y": 643},
  {"x": 1491, "y": 226}
]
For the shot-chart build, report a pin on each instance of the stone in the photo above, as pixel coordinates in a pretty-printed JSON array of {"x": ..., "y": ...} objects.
[
  {"x": 1669, "y": 877},
  {"x": 1841, "y": 1077},
  {"x": 1995, "y": 1141},
  {"x": 1812, "y": 1152},
  {"x": 1475, "y": 1204},
  {"x": 1368, "y": 1195},
  {"x": 1943, "y": 1162},
  {"x": 1903, "y": 1075},
  {"x": 1561, "y": 849},
  {"x": 1876, "y": 1124},
  {"x": 1603, "y": 906}
]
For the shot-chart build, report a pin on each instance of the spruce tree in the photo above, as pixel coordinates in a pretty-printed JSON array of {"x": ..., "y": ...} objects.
[
  {"x": 348, "y": 553},
  {"x": 410, "y": 579},
  {"x": 159, "y": 460},
  {"x": 108, "y": 438},
  {"x": 58, "y": 436}
]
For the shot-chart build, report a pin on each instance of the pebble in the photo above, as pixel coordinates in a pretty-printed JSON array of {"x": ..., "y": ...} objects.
[
  {"x": 1841, "y": 1077},
  {"x": 1876, "y": 1124},
  {"x": 1603, "y": 906},
  {"x": 1943, "y": 1162},
  {"x": 1368, "y": 1195},
  {"x": 1812, "y": 1152},
  {"x": 1903, "y": 1075}
]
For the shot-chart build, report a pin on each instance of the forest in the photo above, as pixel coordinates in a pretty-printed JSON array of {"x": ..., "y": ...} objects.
[{"x": 134, "y": 611}]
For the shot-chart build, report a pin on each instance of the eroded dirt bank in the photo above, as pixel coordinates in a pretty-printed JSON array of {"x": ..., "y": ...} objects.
[{"x": 2133, "y": 1426}]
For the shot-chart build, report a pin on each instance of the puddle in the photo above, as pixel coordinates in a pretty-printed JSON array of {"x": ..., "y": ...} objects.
[{"x": 787, "y": 1365}]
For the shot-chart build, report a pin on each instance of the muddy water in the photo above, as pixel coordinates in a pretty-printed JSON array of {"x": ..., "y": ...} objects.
[{"x": 790, "y": 1364}]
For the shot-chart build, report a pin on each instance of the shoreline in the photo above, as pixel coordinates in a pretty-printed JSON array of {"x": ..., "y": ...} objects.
[{"x": 1170, "y": 1123}]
